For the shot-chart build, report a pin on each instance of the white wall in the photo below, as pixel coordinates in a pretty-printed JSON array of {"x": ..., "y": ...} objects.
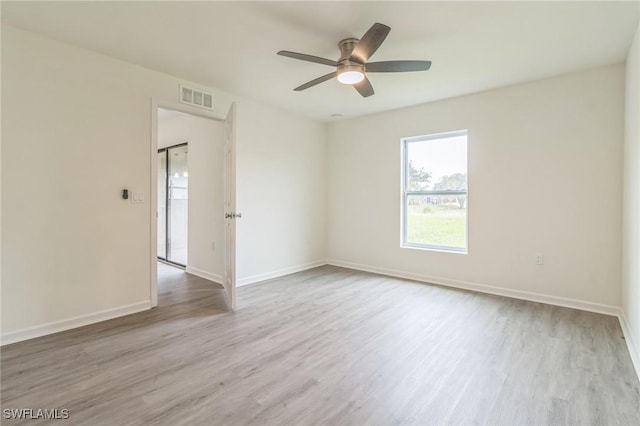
[
  {"x": 544, "y": 177},
  {"x": 76, "y": 129},
  {"x": 206, "y": 210},
  {"x": 283, "y": 225},
  {"x": 631, "y": 209}
]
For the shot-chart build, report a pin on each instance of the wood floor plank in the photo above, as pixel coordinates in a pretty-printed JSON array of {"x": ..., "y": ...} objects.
[{"x": 330, "y": 346}]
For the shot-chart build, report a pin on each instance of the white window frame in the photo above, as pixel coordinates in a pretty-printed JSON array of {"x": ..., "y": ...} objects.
[{"x": 405, "y": 194}]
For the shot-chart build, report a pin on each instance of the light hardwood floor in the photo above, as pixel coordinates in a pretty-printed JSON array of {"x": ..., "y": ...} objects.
[{"x": 331, "y": 346}]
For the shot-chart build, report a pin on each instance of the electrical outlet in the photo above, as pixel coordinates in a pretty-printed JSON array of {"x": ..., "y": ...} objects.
[{"x": 539, "y": 259}]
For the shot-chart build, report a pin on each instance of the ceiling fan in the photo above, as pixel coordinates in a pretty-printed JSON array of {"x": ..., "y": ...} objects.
[{"x": 352, "y": 66}]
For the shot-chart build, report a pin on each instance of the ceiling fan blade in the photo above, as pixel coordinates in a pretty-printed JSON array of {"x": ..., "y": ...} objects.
[
  {"x": 308, "y": 58},
  {"x": 397, "y": 66},
  {"x": 316, "y": 81},
  {"x": 364, "y": 88},
  {"x": 370, "y": 42}
]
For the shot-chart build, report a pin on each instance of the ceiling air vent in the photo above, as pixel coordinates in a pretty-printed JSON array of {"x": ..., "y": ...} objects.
[{"x": 196, "y": 97}]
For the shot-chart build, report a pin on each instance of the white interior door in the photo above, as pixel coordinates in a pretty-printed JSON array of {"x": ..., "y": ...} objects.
[{"x": 229, "y": 279}]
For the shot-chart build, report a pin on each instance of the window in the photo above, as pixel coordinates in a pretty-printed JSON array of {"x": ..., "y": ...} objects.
[{"x": 434, "y": 192}]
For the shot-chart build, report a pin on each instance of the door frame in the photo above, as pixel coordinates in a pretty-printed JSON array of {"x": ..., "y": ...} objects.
[{"x": 153, "y": 197}]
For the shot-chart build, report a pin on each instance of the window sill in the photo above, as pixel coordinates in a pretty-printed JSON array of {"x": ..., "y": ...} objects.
[{"x": 441, "y": 249}]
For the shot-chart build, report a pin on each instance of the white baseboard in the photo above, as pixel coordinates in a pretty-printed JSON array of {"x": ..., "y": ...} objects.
[
  {"x": 68, "y": 324},
  {"x": 483, "y": 288},
  {"x": 204, "y": 274},
  {"x": 279, "y": 273},
  {"x": 633, "y": 349}
]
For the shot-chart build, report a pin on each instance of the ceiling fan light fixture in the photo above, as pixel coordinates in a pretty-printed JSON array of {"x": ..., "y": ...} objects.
[
  {"x": 350, "y": 74},
  {"x": 354, "y": 60}
]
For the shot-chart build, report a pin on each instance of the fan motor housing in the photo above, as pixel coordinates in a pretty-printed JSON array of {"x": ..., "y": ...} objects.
[{"x": 346, "y": 47}]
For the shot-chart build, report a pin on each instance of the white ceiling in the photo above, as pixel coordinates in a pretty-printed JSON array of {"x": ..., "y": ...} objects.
[{"x": 232, "y": 46}]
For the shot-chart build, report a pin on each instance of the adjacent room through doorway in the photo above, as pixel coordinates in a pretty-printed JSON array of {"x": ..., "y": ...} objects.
[{"x": 190, "y": 212}]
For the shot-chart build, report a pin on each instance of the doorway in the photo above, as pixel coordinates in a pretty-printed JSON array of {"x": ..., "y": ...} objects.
[
  {"x": 193, "y": 193},
  {"x": 173, "y": 204}
]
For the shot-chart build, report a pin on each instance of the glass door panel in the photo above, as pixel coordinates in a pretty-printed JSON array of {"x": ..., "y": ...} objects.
[
  {"x": 177, "y": 207},
  {"x": 173, "y": 204}
]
